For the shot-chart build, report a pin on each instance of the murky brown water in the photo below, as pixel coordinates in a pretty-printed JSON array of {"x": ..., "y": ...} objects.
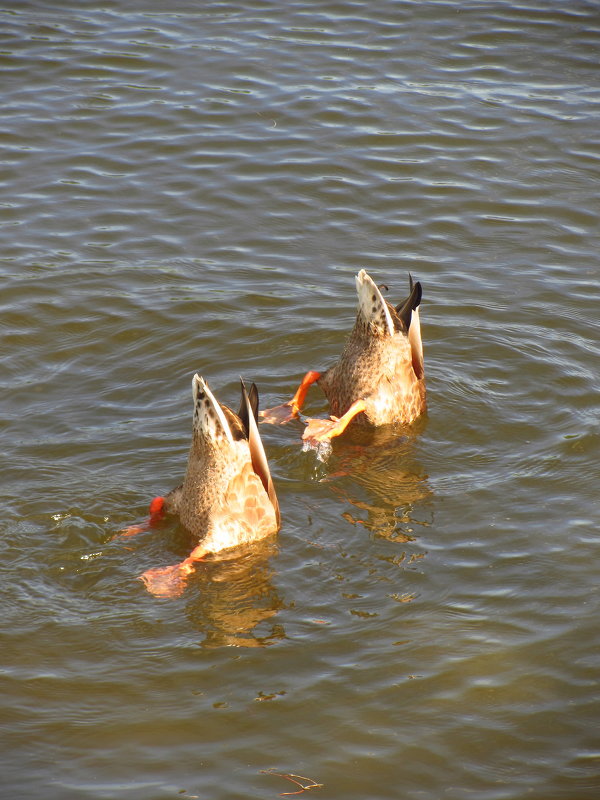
[{"x": 194, "y": 189}]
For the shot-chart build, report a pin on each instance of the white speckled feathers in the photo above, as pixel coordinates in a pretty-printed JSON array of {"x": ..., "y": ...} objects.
[{"x": 372, "y": 307}]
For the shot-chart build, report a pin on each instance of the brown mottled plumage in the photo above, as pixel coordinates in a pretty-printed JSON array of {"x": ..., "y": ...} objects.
[
  {"x": 227, "y": 497},
  {"x": 382, "y": 361},
  {"x": 379, "y": 378}
]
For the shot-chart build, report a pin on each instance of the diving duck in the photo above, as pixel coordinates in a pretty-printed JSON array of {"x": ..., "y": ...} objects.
[
  {"x": 379, "y": 378},
  {"x": 227, "y": 497}
]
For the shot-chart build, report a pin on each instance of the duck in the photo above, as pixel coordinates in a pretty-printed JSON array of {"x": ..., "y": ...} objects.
[
  {"x": 227, "y": 498},
  {"x": 379, "y": 378}
]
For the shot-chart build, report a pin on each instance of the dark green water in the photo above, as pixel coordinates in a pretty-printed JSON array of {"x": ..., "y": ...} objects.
[{"x": 193, "y": 188}]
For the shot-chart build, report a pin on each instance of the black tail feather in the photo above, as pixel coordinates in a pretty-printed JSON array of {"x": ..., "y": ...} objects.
[
  {"x": 243, "y": 412},
  {"x": 404, "y": 310}
]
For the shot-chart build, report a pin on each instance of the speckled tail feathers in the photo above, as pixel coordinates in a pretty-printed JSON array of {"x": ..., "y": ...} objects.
[{"x": 372, "y": 308}]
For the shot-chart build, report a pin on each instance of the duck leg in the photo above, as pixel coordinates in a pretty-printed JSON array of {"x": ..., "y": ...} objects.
[
  {"x": 278, "y": 415},
  {"x": 157, "y": 513},
  {"x": 323, "y": 430},
  {"x": 170, "y": 581}
]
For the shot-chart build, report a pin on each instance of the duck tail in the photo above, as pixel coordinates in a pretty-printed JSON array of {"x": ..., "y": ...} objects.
[
  {"x": 408, "y": 312},
  {"x": 257, "y": 451},
  {"x": 372, "y": 308},
  {"x": 208, "y": 414}
]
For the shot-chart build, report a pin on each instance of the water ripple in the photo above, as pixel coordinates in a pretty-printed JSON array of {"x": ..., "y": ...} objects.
[{"x": 194, "y": 189}]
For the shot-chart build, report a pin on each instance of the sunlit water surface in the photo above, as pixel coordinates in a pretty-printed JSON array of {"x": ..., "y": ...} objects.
[{"x": 193, "y": 187}]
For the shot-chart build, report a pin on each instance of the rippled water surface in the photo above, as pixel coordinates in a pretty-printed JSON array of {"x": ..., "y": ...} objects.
[{"x": 193, "y": 186}]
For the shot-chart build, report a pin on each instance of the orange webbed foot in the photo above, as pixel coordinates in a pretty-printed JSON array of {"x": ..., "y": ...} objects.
[
  {"x": 131, "y": 530},
  {"x": 318, "y": 431},
  {"x": 279, "y": 415},
  {"x": 171, "y": 581},
  {"x": 165, "y": 581}
]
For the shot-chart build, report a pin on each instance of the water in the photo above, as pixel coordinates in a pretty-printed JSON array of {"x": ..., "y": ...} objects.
[{"x": 194, "y": 188}]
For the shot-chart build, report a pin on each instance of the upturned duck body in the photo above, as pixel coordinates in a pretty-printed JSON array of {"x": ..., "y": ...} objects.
[
  {"x": 379, "y": 378},
  {"x": 227, "y": 497}
]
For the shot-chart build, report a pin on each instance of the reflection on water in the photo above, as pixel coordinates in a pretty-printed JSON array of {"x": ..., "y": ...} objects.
[
  {"x": 195, "y": 190},
  {"x": 229, "y": 595},
  {"x": 377, "y": 474},
  {"x": 228, "y": 599}
]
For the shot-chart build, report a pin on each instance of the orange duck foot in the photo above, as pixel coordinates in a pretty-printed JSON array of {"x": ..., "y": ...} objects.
[
  {"x": 279, "y": 415},
  {"x": 165, "y": 581},
  {"x": 171, "y": 581},
  {"x": 157, "y": 512},
  {"x": 318, "y": 431}
]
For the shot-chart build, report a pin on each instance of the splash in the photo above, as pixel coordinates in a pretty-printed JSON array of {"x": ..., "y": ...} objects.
[{"x": 322, "y": 450}]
